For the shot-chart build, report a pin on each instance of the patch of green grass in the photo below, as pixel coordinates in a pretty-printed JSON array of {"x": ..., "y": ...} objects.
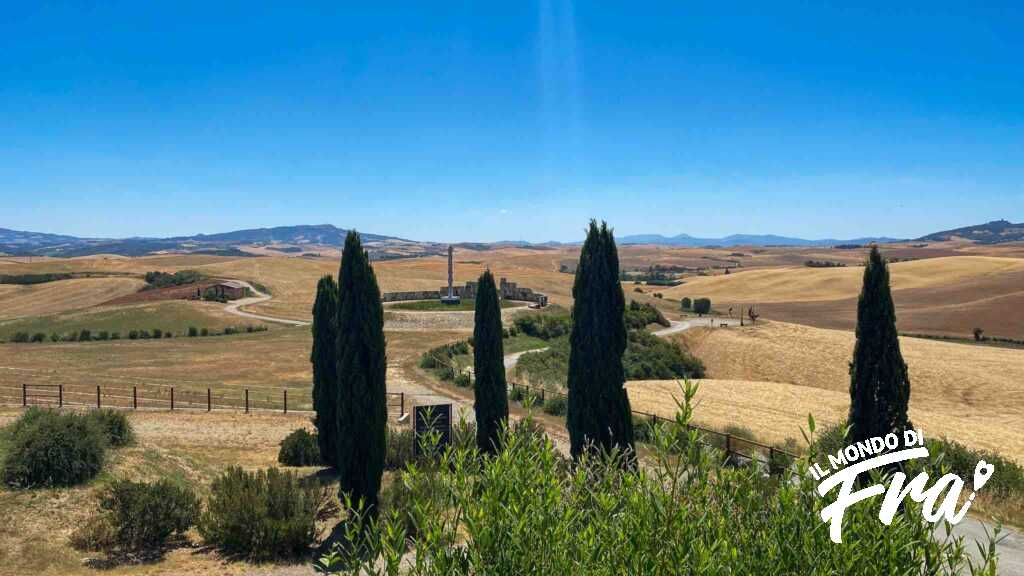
[
  {"x": 522, "y": 343},
  {"x": 464, "y": 305},
  {"x": 170, "y": 316}
]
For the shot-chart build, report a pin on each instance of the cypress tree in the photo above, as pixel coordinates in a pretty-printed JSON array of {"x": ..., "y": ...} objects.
[
  {"x": 598, "y": 411},
  {"x": 490, "y": 391},
  {"x": 325, "y": 367},
  {"x": 879, "y": 387},
  {"x": 362, "y": 408}
]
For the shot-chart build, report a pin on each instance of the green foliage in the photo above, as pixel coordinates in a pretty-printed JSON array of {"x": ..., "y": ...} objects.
[
  {"x": 462, "y": 380},
  {"x": 135, "y": 516},
  {"x": 133, "y": 334},
  {"x": 525, "y": 511},
  {"x": 325, "y": 367},
  {"x": 544, "y": 326},
  {"x": 491, "y": 390},
  {"x": 300, "y": 448},
  {"x": 648, "y": 357},
  {"x": 38, "y": 337},
  {"x": 50, "y": 448},
  {"x": 158, "y": 333},
  {"x": 163, "y": 279},
  {"x": 879, "y": 385},
  {"x": 20, "y": 337},
  {"x": 115, "y": 426},
  {"x": 34, "y": 278},
  {"x": 262, "y": 515},
  {"x": 362, "y": 368},
  {"x": 204, "y": 332},
  {"x": 702, "y": 306},
  {"x": 598, "y": 414},
  {"x": 686, "y": 303},
  {"x": 399, "y": 448},
  {"x": 193, "y": 331},
  {"x": 84, "y": 335},
  {"x": 638, "y": 316},
  {"x": 556, "y": 405},
  {"x": 1007, "y": 479}
]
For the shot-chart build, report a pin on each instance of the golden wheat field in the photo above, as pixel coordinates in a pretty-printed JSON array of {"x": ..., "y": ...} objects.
[
  {"x": 18, "y": 301},
  {"x": 974, "y": 394}
]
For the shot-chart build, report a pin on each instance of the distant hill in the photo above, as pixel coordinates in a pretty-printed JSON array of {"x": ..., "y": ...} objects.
[
  {"x": 686, "y": 240},
  {"x": 994, "y": 232},
  {"x": 40, "y": 244}
]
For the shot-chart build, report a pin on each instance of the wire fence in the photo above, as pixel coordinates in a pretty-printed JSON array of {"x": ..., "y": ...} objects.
[
  {"x": 171, "y": 398},
  {"x": 736, "y": 448}
]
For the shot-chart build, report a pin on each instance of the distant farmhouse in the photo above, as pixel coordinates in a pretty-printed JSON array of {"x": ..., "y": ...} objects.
[
  {"x": 223, "y": 290},
  {"x": 506, "y": 291}
]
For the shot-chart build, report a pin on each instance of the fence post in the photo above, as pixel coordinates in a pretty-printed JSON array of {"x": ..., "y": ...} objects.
[
  {"x": 208, "y": 403},
  {"x": 771, "y": 459},
  {"x": 172, "y": 398},
  {"x": 401, "y": 413},
  {"x": 728, "y": 445},
  {"x": 246, "y": 400},
  {"x": 97, "y": 396},
  {"x": 285, "y": 400},
  {"x": 60, "y": 395},
  {"x": 135, "y": 398},
  {"x": 24, "y": 395}
]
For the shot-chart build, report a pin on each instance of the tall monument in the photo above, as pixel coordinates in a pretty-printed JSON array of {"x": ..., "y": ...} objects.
[{"x": 451, "y": 298}]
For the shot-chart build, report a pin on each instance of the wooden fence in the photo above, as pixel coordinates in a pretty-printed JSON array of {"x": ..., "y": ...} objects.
[{"x": 160, "y": 397}]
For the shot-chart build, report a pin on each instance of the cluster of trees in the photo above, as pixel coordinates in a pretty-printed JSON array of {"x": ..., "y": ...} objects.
[
  {"x": 34, "y": 278},
  {"x": 157, "y": 279},
  {"x": 87, "y": 335},
  {"x": 700, "y": 306},
  {"x": 656, "y": 275},
  {"x": 823, "y": 264}
]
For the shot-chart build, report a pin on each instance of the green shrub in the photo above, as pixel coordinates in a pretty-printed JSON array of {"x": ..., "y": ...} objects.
[
  {"x": 50, "y": 448},
  {"x": 115, "y": 336},
  {"x": 193, "y": 331},
  {"x": 648, "y": 357},
  {"x": 262, "y": 515},
  {"x": 300, "y": 448},
  {"x": 399, "y": 451},
  {"x": 114, "y": 424},
  {"x": 544, "y": 326},
  {"x": 686, "y": 303},
  {"x": 463, "y": 380},
  {"x": 84, "y": 335},
  {"x": 144, "y": 334},
  {"x": 103, "y": 335},
  {"x": 135, "y": 516},
  {"x": 20, "y": 337},
  {"x": 228, "y": 330},
  {"x": 702, "y": 306},
  {"x": 54, "y": 337},
  {"x": 71, "y": 337},
  {"x": 555, "y": 405},
  {"x": 158, "y": 333},
  {"x": 133, "y": 334},
  {"x": 639, "y": 315},
  {"x": 204, "y": 332},
  {"x": 38, "y": 337}
]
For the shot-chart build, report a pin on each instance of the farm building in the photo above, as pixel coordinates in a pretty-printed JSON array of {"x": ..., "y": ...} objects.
[{"x": 228, "y": 289}]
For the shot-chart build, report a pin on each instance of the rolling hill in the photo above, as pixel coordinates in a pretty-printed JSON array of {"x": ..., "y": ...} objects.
[{"x": 994, "y": 232}]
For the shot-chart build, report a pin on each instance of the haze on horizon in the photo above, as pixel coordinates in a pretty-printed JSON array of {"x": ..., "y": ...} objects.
[{"x": 471, "y": 122}]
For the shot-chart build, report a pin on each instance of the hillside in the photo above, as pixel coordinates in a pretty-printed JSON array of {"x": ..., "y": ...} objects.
[{"x": 994, "y": 232}]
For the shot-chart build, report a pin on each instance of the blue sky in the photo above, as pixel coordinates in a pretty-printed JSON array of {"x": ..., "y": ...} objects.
[{"x": 490, "y": 121}]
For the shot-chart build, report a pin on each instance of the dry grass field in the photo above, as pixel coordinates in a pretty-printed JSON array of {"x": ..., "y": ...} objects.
[
  {"x": 974, "y": 394},
  {"x": 193, "y": 447},
  {"x": 17, "y": 301}
]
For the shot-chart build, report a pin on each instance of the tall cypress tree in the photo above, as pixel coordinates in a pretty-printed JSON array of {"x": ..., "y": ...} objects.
[
  {"x": 879, "y": 387},
  {"x": 325, "y": 367},
  {"x": 490, "y": 391},
  {"x": 362, "y": 408},
  {"x": 598, "y": 411}
]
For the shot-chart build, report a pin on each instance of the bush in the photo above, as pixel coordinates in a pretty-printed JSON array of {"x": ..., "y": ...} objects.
[
  {"x": 20, "y": 337},
  {"x": 84, "y": 335},
  {"x": 262, "y": 515},
  {"x": 135, "y": 516},
  {"x": 228, "y": 330},
  {"x": 399, "y": 451},
  {"x": 168, "y": 334},
  {"x": 158, "y": 333},
  {"x": 702, "y": 306},
  {"x": 114, "y": 424},
  {"x": 640, "y": 315},
  {"x": 193, "y": 331},
  {"x": 686, "y": 303},
  {"x": 71, "y": 337},
  {"x": 462, "y": 380},
  {"x": 555, "y": 405},
  {"x": 103, "y": 335},
  {"x": 54, "y": 337},
  {"x": 544, "y": 326},
  {"x": 50, "y": 448},
  {"x": 204, "y": 332},
  {"x": 133, "y": 335},
  {"x": 144, "y": 334},
  {"x": 115, "y": 336},
  {"x": 38, "y": 337},
  {"x": 300, "y": 448}
]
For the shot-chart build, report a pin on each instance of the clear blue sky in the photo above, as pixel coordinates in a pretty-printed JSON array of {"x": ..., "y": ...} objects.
[{"x": 516, "y": 120}]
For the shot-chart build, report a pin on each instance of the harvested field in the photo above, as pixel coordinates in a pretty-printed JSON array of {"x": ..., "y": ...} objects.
[
  {"x": 974, "y": 394},
  {"x": 17, "y": 301}
]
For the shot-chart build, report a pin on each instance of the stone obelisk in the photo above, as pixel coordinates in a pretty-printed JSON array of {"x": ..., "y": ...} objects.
[{"x": 451, "y": 298}]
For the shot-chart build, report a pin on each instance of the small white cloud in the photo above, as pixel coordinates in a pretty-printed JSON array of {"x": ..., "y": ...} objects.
[{"x": 503, "y": 211}]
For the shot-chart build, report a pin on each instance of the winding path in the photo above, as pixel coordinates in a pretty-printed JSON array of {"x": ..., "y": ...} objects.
[{"x": 235, "y": 307}]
